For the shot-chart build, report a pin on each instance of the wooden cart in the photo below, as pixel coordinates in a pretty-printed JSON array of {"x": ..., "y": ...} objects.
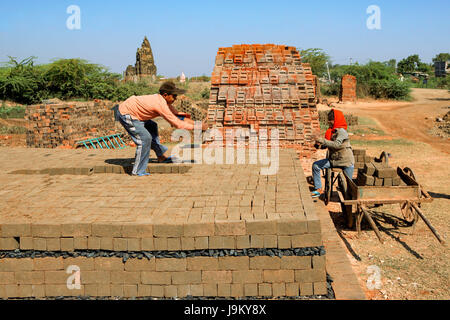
[{"x": 409, "y": 198}]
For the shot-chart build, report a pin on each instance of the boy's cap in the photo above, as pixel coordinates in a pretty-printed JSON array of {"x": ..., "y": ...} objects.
[{"x": 170, "y": 88}]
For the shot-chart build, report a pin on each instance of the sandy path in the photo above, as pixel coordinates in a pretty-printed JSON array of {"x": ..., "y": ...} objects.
[{"x": 409, "y": 120}]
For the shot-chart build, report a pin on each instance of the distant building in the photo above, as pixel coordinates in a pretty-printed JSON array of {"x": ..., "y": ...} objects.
[
  {"x": 182, "y": 78},
  {"x": 441, "y": 68},
  {"x": 145, "y": 64}
]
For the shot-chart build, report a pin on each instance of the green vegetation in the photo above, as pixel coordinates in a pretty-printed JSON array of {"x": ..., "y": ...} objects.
[
  {"x": 25, "y": 83},
  {"x": 17, "y": 112},
  {"x": 375, "y": 79},
  {"x": 317, "y": 58}
]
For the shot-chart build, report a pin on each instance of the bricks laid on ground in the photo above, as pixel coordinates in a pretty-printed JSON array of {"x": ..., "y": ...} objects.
[
  {"x": 260, "y": 88},
  {"x": 201, "y": 233},
  {"x": 348, "y": 89}
]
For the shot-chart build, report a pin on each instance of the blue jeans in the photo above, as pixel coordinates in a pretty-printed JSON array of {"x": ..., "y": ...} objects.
[
  {"x": 325, "y": 164},
  {"x": 145, "y": 135}
]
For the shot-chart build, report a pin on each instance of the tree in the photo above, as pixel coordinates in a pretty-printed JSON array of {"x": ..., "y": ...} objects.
[
  {"x": 442, "y": 57},
  {"x": 317, "y": 58},
  {"x": 409, "y": 64}
]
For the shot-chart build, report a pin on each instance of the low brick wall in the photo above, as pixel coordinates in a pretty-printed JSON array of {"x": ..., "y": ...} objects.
[{"x": 56, "y": 125}]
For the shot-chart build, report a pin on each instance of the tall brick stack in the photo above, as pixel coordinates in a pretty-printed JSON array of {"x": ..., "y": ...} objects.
[
  {"x": 55, "y": 125},
  {"x": 348, "y": 89},
  {"x": 256, "y": 87}
]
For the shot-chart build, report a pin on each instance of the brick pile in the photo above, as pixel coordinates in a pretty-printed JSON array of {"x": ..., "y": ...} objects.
[
  {"x": 196, "y": 113},
  {"x": 265, "y": 87},
  {"x": 378, "y": 174},
  {"x": 348, "y": 89},
  {"x": 56, "y": 125},
  {"x": 361, "y": 158}
]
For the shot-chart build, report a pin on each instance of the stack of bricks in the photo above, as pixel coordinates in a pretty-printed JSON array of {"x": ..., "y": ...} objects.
[
  {"x": 265, "y": 87},
  {"x": 348, "y": 89},
  {"x": 55, "y": 125},
  {"x": 361, "y": 158},
  {"x": 196, "y": 113},
  {"x": 378, "y": 174}
]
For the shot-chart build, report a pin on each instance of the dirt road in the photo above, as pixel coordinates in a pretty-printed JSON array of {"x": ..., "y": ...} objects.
[{"x": 409, "y": 120}]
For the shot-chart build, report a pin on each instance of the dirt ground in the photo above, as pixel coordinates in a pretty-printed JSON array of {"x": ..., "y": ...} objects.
[{"x": 412, "y": 264}]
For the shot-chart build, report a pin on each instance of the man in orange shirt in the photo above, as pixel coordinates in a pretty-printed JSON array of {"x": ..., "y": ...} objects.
[{"x": 135, "y": 115}]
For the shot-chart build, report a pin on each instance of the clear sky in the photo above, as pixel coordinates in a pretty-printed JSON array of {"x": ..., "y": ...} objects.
[{"x": 185, "y": 35}]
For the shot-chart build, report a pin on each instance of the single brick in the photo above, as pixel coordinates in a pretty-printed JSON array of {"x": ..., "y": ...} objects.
[
  {"x": 117, "y": 290},
  {"x": 120, "y": 244},
  {"x": 187, "y": 277},
  {"x": 170, "y": 264},
  {"x": 26, "y": 243},
  {"x": 125, "y": 277},
  {"x": 25, "y": 290},
  {"x": 197, "y": 290},
  {"x": 47, "y": 263},
  {"x": 307, "y": 240},
  {"x": 257, "y": 241},
  {"x": 39, "y": 244},
  {"x": 93, "y": 243},
  {"x": 248, "y": 276},
  {"x": 210, "y": 289},
  {"x": 8, "y": 264},
  {"x": 296, "y": 263},
  {"x": 250, "y": 289},
  {"x": 168, "y": 230},
  {"x": 284, "y": 242},
  {"x": 106, "y": 230},
  {"x": 369, "y": 169},
  {"x": 276, "y": 276},
  {"x": 223, "y": 290},
  {"x": 318, "y": 262},
  {"x": 202, "y": 263},
  {"x": 106, "y": 243},
  {"x": 262, "y": 262},
  {"x": 157, "y": 291},
  {"x": 29, "y": 277},
  {"x": 108, "y": 264},
  {"x": 243, "y": 242},
  {"x": 173, "y": 244},
  {"x": 147, "y": 244},
  {"x": 264, "y": 290},
  {"x": 91, "y": 290},
  {"x": 140, "y": 265},
  {"x": 15, "y": 230},
  {"x": 76, "y": 229},
  {"x": 216, "y": 276},
  {"x": 84, "y": 263},
  {"x": 67, "y": 244},
  {"x": 258, "y": 227},
  {"x": 230, "y": 228},
  {"x": 80, "y": 243},
  {"x": 7, "y": 278},
  {"x": 279, "y": 289},
  {"x": 9, "y": 244},
  {"x": 292, "y": 289},
  {"x": 187, "y": 243},
  {"x": 234, "y": 263},
  {"x": 46, "y": 230},
  {"x": 291, "y": 226},
  {"x": 95, "y": 277},
  {"x": 201, "y": 243},
  {"x": 320, "y": 288},
  {"x": 388, "y": 182},
  {"x": 103, "y": 290},
  {"x": 144, "y": 290},
  {"x": 160, "y": 244},
  {"x": 311, "y": 275},
  {"x": 56, "y": 277},
  {"x": 270, "y": 241},
  {"x": 237, "y": 290},
  {"x": 170, "y": 291}
]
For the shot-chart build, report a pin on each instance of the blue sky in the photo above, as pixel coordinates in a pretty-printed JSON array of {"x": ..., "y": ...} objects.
[{"x": 185, "y": 35}]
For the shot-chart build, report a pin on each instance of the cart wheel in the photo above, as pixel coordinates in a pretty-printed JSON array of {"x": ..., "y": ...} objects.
[
  {"x": 347, "y": 210},
  {"x": 327, "y": 186},
  {"x": 408, "y": 212}
]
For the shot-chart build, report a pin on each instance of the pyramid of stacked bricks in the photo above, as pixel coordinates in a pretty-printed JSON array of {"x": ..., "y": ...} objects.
[
  {"x": 54, "y": 125},
  {"x": 259, "y": 88},
  {"x": 348, "y": 89}
]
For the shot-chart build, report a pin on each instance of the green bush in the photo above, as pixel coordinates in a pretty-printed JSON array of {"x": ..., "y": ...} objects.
[
  {"x": 12, "y": 130},
  {"x": 389, "y": 89}
]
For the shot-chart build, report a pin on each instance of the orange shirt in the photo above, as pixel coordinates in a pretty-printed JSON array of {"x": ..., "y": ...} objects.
[{"x": 147, "y": 107}]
